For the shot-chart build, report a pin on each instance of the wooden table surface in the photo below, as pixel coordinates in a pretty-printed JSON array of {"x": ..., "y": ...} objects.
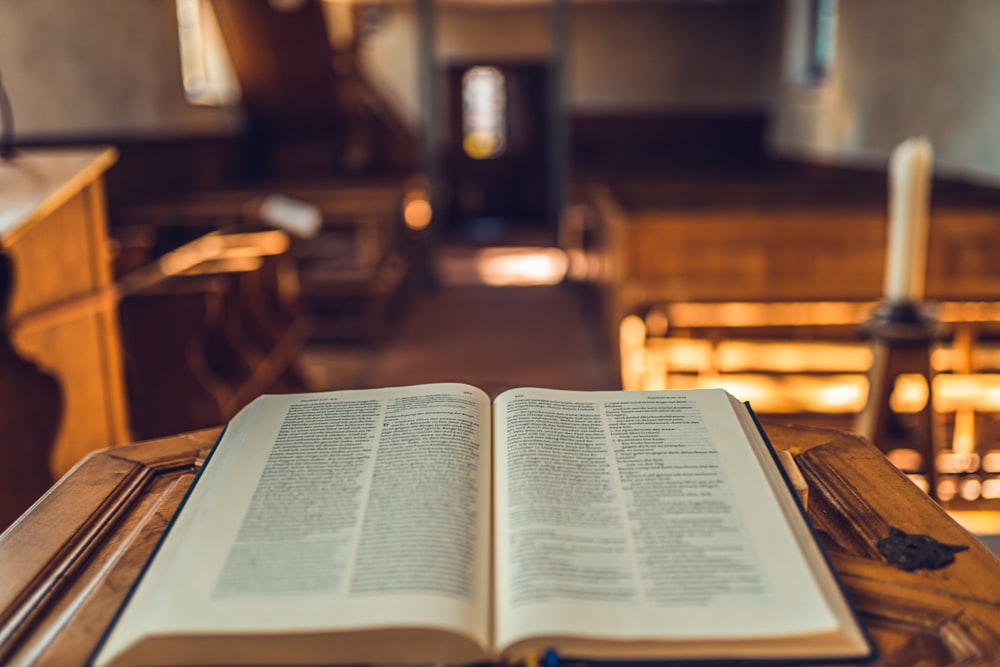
[{"x": 68, "y": 563}]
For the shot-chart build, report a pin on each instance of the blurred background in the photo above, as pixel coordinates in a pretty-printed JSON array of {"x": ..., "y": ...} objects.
[{"x": 295, "y": 195}]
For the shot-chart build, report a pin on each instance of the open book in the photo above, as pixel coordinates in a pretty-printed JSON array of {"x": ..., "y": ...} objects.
[{"x": 426, "y": 525}]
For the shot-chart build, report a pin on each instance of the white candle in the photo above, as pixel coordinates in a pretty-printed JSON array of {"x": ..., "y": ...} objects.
[{"x": 909, "y": 199}]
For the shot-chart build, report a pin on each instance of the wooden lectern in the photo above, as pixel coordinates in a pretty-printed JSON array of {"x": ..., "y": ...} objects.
[
  {"x": 62, "y": 388},
  {"x": 66, "y": 566}
]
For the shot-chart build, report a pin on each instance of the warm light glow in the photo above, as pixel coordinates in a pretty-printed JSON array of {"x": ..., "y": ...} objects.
[
  {"x": 991, "y": 488},
  {"x": 953, "y": 392},
  {"x": 339, "y": 23},
  {"x": 521, "y": 266},
  {"x": 683, "y": 355},
  {"x": 632, "y": 330},
  {"x": 225, "y": 265},
  {"x": 794, "y": 357},
  {"x": 417, "y": 213},
  {"x": 955, "y": 463},
  {"x": 745, "y": 389},
  {"x": 481, "y": 144},
  {"x": 970, "y": 489},
  {"x": 752, "y": 314},
  {"x": 206, "y": 71},
  {"x": 294, "y": 216},
  {"x": 808, "y": 376},
  {"x": 977, "y": 521},
  {"x": 656, "y": 322},
  {"x": 975, "y": 391},
  {"x": 843, "y": 398},
  {"x": 634, "y": 366},
  {"x": 656, "y": 377},
  {"x": 223, "y": 247},
  {"x": 946, "y": 489},
  {"x": 920, "y": 482},
  {"x": 810, "y": 313},
  {"x": 910, "y": 393},
  {"x": 906, "y": 459},
  {"x": 835, "y": 394},
  {"x": 635, "y": 362},
  {"x": 964, "y": 438}
]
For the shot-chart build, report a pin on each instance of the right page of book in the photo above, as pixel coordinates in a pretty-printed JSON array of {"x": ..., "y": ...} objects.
[{"x": 644, "y": 524}]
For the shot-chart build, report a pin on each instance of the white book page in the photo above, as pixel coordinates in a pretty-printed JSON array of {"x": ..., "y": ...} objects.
[
  {"x": 640, "y": 515},
  {"x": 342, "y": 510}
]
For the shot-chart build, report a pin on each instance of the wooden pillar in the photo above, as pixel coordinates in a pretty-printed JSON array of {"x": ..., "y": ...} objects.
[
  {"x": 558, "y": 116},
  {"x": 424, "y": 247},
  {"x": 428, "y": 89}
]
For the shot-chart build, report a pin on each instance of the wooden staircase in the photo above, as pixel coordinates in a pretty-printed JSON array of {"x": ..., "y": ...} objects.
[{"x": 308, "y": 102}]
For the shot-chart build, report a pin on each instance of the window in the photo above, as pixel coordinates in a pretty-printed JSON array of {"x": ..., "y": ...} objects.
[
  {"x": 484, "y": 113},
  {"x": 205, "y": 67},
  {"x": 811, "y": 40}
]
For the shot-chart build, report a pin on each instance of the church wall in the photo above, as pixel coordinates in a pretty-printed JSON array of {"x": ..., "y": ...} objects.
[
  {"x": 668, "y": 57},
  {"x": 903, "y": 68},
  {"x": 98, "y": 68},
  {"x": 624, "y": 57},
  {"x": 105, "y": 68}
]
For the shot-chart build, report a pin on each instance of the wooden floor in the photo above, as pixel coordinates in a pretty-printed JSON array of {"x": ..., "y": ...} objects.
[
  {"x": 495, "y": 338},
  {"x": 492, "y": 337}
]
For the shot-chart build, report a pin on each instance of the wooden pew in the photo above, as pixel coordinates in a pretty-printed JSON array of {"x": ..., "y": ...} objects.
[
  {"x": 351, "y": 272},
  {"x": 209, "y": 327},
  {"x": 722, "y": 241}
]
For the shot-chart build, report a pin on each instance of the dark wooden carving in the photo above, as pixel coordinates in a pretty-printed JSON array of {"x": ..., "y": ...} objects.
[
  {"x": 917, "y": 552},
  {"x": 64, "y": 574},
  {"x": 948, "y": 616}
]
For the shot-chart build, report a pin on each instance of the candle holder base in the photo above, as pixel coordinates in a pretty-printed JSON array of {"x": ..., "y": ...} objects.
[
  {"x": 903, "y": 321},
  {"x": 901, "y": 335}
]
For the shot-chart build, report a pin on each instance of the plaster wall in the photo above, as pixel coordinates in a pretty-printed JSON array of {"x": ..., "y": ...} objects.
[
  {"x": 903, "y": 68},
  {"x": 96, "y": 69},
  {"x": 623, "y": 57},
  {"x": 106, "y": 68}
]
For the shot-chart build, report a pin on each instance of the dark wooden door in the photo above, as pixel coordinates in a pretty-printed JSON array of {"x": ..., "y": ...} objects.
[{"x": 491, "y": 196}]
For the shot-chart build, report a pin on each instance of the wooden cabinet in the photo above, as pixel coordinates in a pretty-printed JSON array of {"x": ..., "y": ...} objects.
[{"x": 60, "y": 363}]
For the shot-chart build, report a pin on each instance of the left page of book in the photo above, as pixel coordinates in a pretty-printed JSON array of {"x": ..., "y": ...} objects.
[{"x": 322, "y": 525}]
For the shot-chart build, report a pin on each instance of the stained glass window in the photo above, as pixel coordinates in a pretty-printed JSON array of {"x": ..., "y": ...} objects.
[{"x": 484, "y": 113}]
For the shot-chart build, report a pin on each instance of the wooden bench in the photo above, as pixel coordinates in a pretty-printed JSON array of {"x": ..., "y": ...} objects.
[
  {"x": 207, "y": 328},
  {"x": 654, "y": 242},
  {"x": 351, "y": 272}
]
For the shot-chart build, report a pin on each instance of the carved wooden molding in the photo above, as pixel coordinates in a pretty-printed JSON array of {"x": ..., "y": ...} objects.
[
  {"x": 104, "y": 515},
  {"x": 66, "y": 568},
  {"x": 949, "y": 616}
]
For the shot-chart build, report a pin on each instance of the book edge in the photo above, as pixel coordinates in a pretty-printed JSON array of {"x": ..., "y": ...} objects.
[
  {"x": 873, "y": 652},
  {"x": 95, "y": 654}
]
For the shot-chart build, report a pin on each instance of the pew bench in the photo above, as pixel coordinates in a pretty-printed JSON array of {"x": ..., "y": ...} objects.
[{"x": 351, "y": 271}]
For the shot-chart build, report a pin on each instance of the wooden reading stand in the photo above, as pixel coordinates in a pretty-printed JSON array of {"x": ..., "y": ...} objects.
[
  {"x": 62, "y": 386},
  {"x": 67, "y": 564}
]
